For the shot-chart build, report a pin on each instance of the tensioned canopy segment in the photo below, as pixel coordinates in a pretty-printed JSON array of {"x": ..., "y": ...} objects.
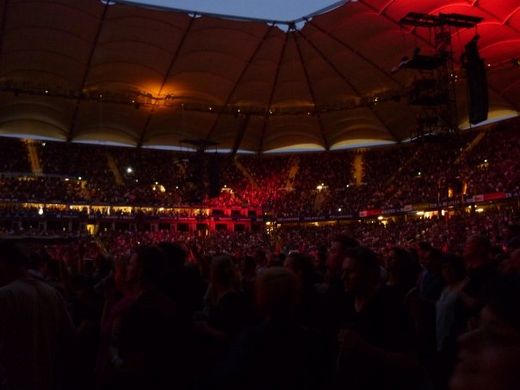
[{"x": 83, "y": 70}]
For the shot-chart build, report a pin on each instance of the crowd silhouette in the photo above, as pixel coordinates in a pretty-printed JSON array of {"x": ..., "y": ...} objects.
[{"x": 391, "y": 303}]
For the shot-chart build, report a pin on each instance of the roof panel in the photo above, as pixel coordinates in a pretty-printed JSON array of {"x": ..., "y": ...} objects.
[
  {"x": 56, "y": 112},
  {"x": 129, "y": 38},
  {"x": 176, "y": 125},
  {"x": 291, "y": 87},
  {"x": 134, "y": 55},
  {"x": 257, "y": 82},
  {"x": 50, "y": 41},
  {"x": 281, "y": 131}
]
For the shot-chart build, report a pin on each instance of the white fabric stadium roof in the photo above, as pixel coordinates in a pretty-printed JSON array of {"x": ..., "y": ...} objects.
[{"x": 87, "y": 71}]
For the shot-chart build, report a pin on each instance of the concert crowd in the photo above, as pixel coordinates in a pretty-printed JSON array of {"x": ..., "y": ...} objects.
[
  {"x": 408, "y": 305},
  {"x": 432, "y": 171},
  {"x": 396, "y": 303}
]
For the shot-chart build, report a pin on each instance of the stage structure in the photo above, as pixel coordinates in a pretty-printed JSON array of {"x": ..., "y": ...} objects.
[
  {"x": 203, "y": 176},
  {"x": 434, "y": 87}
]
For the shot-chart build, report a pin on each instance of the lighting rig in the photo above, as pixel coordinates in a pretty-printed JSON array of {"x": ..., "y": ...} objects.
[
  {"x": 434, "y": 88},
  {"x": 202, "y": 178}
]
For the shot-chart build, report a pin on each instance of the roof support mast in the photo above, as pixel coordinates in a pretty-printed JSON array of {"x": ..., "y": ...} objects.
[
  {"x": 273, "y": 90},
  {"x": 326, "y": 143},
  {"x": 86, "y": 73},
  {"x": 142, "y": 136},
  {"x": 239, "y": 80},
  {"x": 3, "y": 20}
]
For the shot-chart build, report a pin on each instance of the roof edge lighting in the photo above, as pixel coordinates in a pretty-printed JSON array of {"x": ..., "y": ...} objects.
[
  {"x": 493, "y": 117},
  {"x": 32, "y": 137},
  {"x": 102, "y": 143},
  {"x": 297, "y": 148},
  {"x": 360, "y": 143}
]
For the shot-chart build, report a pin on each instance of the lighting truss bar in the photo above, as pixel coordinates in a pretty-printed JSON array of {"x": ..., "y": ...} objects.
[
  {"x": 459, "y": 20},
  {"x": 146, "y": 101},
  {"x": 426, "y": 20}
]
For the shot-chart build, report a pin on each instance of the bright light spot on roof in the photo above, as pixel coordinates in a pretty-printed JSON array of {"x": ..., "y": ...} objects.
[
  {"x": 285, "y": 10},
  {"x": 360, "y": 143}
]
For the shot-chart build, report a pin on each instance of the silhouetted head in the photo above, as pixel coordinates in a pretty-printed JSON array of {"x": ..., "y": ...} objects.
[
  {"x": 360, "y": 271},
  {"x": 489, "y": 355},
  {"x": 302, "y": 267},
  {"x": 477, "y": 250},
  {"x": 223, "y": 272},
  {"x": 276, "y": 293},
  {"x": 175, "y": 255},
  {"x": 403, "y": 268},
  {"x": 340, "y": 244},
  {"x": 13, "y": 262},
  {"x": 146, "y": 266}
]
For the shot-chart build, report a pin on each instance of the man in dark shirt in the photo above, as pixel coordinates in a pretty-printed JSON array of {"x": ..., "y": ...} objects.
[
  {"x": 481, "y": 270},
  {"x": 489, "y": 355},
  {"x": 36, "y": 332},
  {"x": 430, "y": 282},
  {"x": 375, "y": 345},
  {"x": 279, "y": 353},
  {"x": 145, "y": 345}
]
